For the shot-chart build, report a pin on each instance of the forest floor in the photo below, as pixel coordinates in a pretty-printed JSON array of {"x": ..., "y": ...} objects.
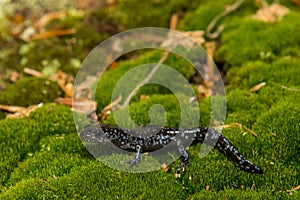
[{"x": 258, "y": 56}]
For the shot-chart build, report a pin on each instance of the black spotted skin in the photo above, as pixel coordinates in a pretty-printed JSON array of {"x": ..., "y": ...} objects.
[{"x": 152, "y": 138}]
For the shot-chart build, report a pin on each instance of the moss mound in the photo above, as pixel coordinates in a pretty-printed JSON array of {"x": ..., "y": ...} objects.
[
  {"x": 249, "y": 39},
  {"x": 42, "y": 156},
  {"x": 29, "y": 91}
]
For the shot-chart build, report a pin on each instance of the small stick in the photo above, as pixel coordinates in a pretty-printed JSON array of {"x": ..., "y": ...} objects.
[
  {"x": 33, "y": 72},
  {"x": 291, "y": 89},
  {"x": 212, "y": 24},
  {"x": 294, "y": 189},
  {"x": 173, "y": 24},
  {"x": 240, "y": 126}
]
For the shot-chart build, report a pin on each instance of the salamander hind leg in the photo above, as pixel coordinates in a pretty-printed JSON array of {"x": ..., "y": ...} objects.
[{"x": 182, "y": 168}]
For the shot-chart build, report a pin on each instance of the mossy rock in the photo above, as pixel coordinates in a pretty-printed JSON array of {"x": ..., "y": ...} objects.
[
  {"x": 275, "y": 74},
  {"x": 43, "y": 157},
  {"x": 96, "y": 181},
  {"x": 29, "y": 91},
  {"x": 246, "y": 39},
  {"x": 248, "y": 105},
  {"x": 22, "y": 136},
  {"x": 43, "y": 167}
]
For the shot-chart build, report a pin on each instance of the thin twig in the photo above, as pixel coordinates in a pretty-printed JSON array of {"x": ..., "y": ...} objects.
[
  {"x": 294, "y": 189},
  {"x": 33, "y": 72},
  {"x": 147, "y": 79},
  {"x": 11, "y": 108},
  {"x": 173, "y": 24},
  {"x": 212, "y": 24},
  {"x": 291, "y": 89},
  {"x": 110, "y": 107},
  {"x": 240, "y": 126}
]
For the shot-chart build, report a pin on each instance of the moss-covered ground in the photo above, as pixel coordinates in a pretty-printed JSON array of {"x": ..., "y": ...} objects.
[{"x": 42, "y": 157}]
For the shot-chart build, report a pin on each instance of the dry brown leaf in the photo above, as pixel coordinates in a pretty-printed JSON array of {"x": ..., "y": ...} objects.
[
  {"x": 197, "y": 36},
  {"x": 257, "y": 87},
  {"x": 211, "y": 48},
  {"x": 296, "y": 2},
  {"x": 14, "y": 76},
  {"x": 144, "y": 96},
  {"x": 174, "y": 21},
  {"x": 113, "y": 65},
  {"x": 17, "y": 22},
  {"x": 33, "y": 29},
  {"x": 66, "y": 101},
  {"x": 84, "y": 88},
  {"x": 203, "y": 91},
  {"x": 33, "y": 72},
  {"x": 65, "y": 82},
  {"x": 19, "y": 111},
  {"x": 211, "y": 76},
  {"x": 52, "y": 33},
  {"x": 271, "y": 13},
  {"x": 177, "y": 175},
  {"x": 49, "y": 17},
  {"x": 11, "y": 109},
  {"x": 84, "y": 106},
  {"x": 165, "y": 167},
  {"x": 17, "y": 19}
]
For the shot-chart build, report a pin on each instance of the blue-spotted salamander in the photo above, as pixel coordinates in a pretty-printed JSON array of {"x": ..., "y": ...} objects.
[{"x": 159, "y": 137}]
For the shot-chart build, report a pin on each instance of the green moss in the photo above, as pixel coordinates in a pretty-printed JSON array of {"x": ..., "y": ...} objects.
[
  {"x": 275, "y": 74},
  {"x": 59, "y": 164},
  {"x": 110, "y": 78},
  {"x": 47, "y": 161},
  {"x": 132, "y": 13},
  {"x": 42, "y": 156},
  {"x": 30, "y": 91},
  {"x": 20, "y": 137},
  {"x": 96, "y": 181},
  {"x": 237, "y": 194},
  {"x": 246, "y": 106},
  {"x": 207, "y": 10},
  {"x": 247, "y": 39},
  {"x": 279, "y": 128},
  {"x": 140, "y": 112}
]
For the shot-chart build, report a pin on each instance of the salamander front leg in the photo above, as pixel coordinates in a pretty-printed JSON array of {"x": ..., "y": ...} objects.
[
  {"x": 137, "y": 158},
  {"x": 184, "y": 160}
]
